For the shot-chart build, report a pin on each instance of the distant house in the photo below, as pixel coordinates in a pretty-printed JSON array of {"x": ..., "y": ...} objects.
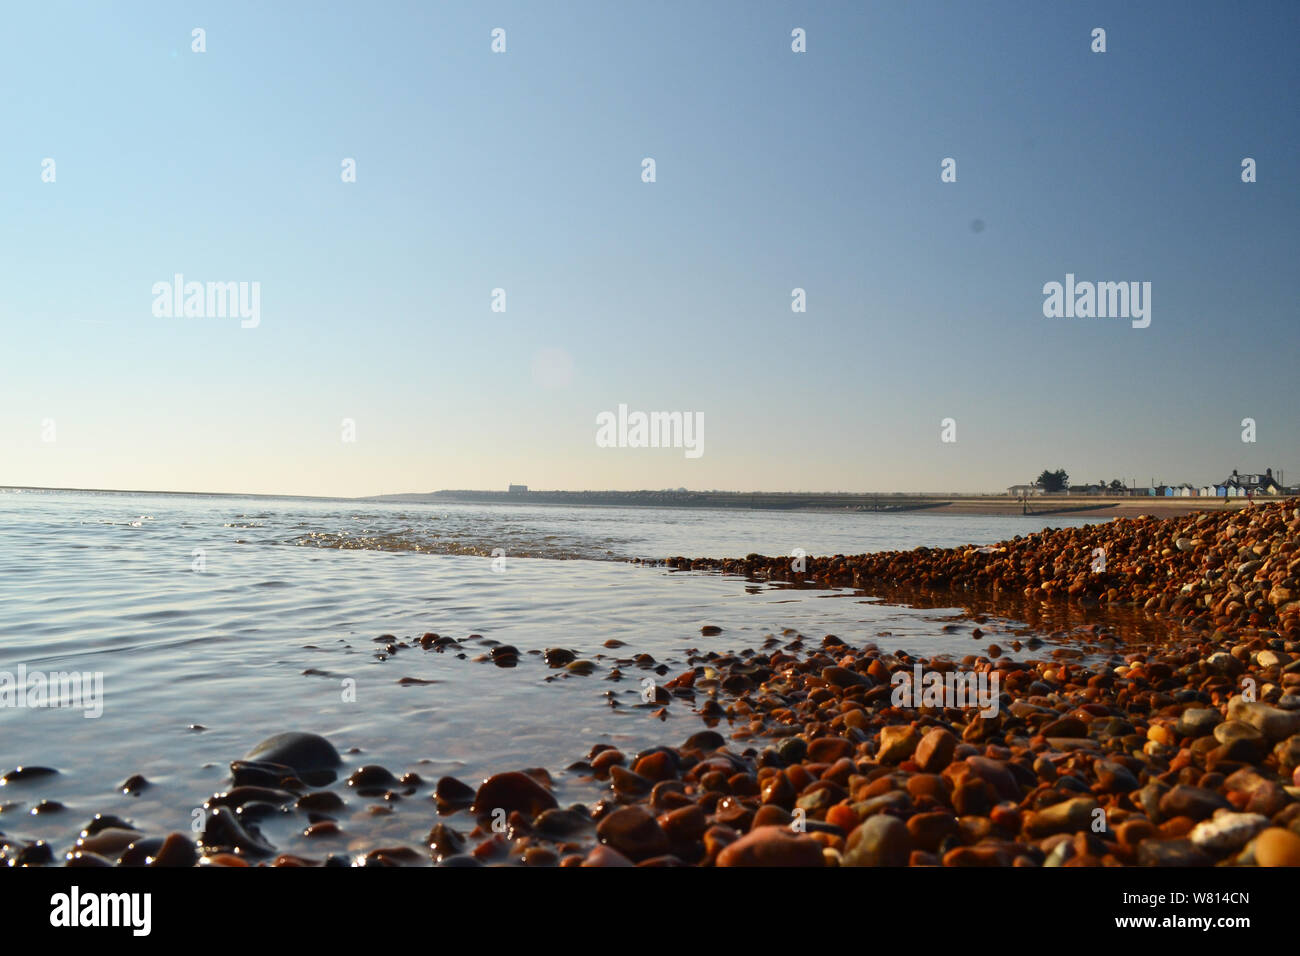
[
  {"x": 1267, "y": 485},
  {"x": 1208, "y": 491},
  {"x": 1020, "y": 491},
  {"x": 1264, "y": 484},
  {"x": 1186, "y": 491},
  {"x": 518, "y": 489}
]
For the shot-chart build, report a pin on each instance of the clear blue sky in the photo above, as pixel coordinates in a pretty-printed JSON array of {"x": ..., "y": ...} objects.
[{"x": 522, "y": 170}]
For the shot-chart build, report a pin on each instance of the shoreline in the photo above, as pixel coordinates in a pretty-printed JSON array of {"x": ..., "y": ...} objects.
[
  {"x": 974, "y": 505},
  {"x": 1097, "y": 748},
  {"x": 893, "y": 503}
]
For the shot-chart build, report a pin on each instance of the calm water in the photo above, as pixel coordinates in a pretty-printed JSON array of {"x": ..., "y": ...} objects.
[{"x": 247, "y": 616}]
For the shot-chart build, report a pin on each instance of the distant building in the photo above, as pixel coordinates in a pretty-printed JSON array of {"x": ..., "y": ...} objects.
[
  {"x": 1264, "y": 484},
  {"x": 518, "y": 489},
  {"x": 1020, "y": 491},
  {"x": 1267, "y": 485}
]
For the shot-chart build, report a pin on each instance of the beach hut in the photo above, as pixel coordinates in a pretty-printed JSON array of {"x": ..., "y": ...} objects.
[{"x": 1267, "y": 484}]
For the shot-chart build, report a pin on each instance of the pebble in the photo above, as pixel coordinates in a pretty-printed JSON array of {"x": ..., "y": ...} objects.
[
  {"x": 223, "y": 831},
  {"x": 634, "y": 833},
  {"x": 772, "y": 847},
  {"x": 1277, "y": 847},
  {"x": 561, "y": 823},
  {"x": 829, "y": 749},
  {"x": 1273, "y": 723},
  {"x": 23, "y": 774},
  {"x": 936, "y": 749},
  {"x": 1068, "y": 816},
  {"x": 1180, "y": 852},
  {"x": 108, "y": 842},
  {"x": 1065, "y": 727},
  {"x": 685, "y": 824},
  {"x": 310, "y": 756},
  {"x": 177, "y": 849},
  {"x": 1227, "y": 832},
  {"x": 1288, "y": 753},
  {"x": 1240, "y": 741},
  {"x": 880, "y": 840},
  {"x": 513, "y": 790},
  {"x": 453, "y": 793},
  {"x": 1194, "y": 802},
  {"x": 897, "y": 743},
  {"x": 1198, "y": 721},
  {"x": 371, "y": 776},
  {"x": 602, "y": 855},
  {"x": 558, "y": 656}
]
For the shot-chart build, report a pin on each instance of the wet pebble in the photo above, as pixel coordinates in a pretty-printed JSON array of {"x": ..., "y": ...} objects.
[
  {"x": 310, "y": 756},
  {"x": 510, "y": 791},
  {"x": 772, "y": 847}
]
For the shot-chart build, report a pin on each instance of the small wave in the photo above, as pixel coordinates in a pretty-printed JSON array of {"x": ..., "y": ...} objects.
[
  {"x": 450, "y": 545},
  {"x": 113, "y": 523},
  {"x": 164, "y": 615}
]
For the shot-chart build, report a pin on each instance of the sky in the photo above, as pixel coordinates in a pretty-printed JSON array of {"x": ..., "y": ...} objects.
[{"x": 377, "y": 363}]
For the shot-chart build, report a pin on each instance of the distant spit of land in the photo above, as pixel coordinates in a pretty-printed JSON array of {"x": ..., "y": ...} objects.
[{"x": 962, "y": 504}]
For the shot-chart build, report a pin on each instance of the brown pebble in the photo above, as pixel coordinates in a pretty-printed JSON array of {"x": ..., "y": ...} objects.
[{"x": 772, "y": 846}]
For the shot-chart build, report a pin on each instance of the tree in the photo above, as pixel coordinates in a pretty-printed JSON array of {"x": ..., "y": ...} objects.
[
  {"x": 1116, "y": 485},
  {"x": 1052, "y": 481}
]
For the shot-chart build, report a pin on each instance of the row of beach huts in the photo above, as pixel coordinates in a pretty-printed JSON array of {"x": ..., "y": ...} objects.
[{"x": 1234, "y": 486}]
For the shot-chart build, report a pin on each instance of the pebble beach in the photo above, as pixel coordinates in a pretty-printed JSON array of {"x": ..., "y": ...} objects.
[{"x": 1148, "y": 714}]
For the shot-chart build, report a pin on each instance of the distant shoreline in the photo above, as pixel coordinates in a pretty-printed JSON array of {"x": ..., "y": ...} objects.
[
  {"x": 1082, "y": 506},
  {"x": 975, "y": 505}
]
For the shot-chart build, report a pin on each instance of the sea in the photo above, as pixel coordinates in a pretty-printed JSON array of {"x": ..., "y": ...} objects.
[{"x": 210, "y": 622}]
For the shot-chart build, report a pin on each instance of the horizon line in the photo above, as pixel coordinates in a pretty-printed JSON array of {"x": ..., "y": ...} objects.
[{"x": 583, "y": 491}]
